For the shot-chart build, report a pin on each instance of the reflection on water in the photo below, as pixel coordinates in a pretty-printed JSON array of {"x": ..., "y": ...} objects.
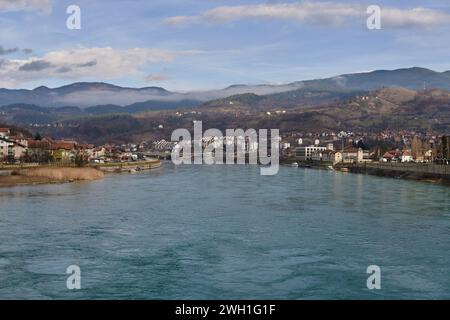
[{"x": 226, "y": 232}]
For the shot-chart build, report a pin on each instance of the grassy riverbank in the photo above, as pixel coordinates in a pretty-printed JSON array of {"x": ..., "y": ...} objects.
[
  {"x": 49, "y": 176},
  {"x": 29, "y": 174}
]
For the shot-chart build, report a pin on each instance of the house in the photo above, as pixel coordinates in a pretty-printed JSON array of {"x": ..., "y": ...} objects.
[
  {"x": 19, "y": 148},
  {"x": 87, "y": 151},
  {"x": 4, "y": 132},
  {"x": 387, "y": 157},
  {"x": 406, "y": 156},
  {"x": 328, "y": 156},
  {"x": 63, "y": 151},
  {"x": 367, "y": 156},
  {"x": 391, "y": 156},
  {"x": 428, "y": 155},
  {"x": 352, "y": 154},
  {"x": 5, "y": 148},
  {"x": 5, "y": 143},
  {"x": 39, "y": 150},
  {"x": 99, "y": 153},
  {"x": 285, "y": 145}
]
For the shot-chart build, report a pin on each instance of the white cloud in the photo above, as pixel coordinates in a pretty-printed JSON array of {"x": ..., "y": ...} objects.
[
  {"x": 417, "y": 17},
  {"x": 102, "y": 63},
  {"x": 44, "y": 6},
  {"x": 324, "y": 13}
]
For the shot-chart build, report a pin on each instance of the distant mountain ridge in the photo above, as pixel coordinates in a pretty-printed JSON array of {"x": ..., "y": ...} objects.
[
  {"x": 394, "y": 109},
  {"x": 86, "y": 94}
]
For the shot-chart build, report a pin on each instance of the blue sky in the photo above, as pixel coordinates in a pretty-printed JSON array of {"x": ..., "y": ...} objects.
[{"x": 196, "y": 44}]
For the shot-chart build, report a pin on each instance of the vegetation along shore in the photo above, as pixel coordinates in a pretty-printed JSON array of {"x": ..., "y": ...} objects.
[
  {"x": 17, "y": 175},
  {"x": 46, "y": 175}
]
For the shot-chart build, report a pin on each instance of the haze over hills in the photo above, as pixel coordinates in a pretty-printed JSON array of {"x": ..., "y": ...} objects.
[{"x": 86, "y": 94}]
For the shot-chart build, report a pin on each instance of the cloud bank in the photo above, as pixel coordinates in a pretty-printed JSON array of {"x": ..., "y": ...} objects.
[
  {"x": 107, "y": 63},
  {"x": 322, "y": 13}
]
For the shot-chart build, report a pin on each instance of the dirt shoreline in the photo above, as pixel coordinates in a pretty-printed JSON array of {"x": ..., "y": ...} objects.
[{"x": 49, "y": 176}]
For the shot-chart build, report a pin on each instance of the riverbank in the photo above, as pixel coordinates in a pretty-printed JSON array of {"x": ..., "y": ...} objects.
[
  {"x": 423, "y": 172},
  {"x": 411, "y": 171},
  {"x": 49, "y": 176},
  {"x": 18, "y": 175},
  {"x": 119, "y": 167}
]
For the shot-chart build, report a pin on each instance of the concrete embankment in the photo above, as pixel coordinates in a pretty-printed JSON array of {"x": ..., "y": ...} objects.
[
  {"x": 412, "y": 171},
  {"x": 49, "y": 175}
]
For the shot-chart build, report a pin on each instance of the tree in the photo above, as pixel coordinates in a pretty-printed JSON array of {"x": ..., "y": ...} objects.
[
  {"x": 416, "y": 147},
  {"x": 80, "y": 159}
]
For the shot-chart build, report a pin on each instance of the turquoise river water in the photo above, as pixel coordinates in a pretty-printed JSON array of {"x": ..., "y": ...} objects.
[{"x": 225, "y": 232}]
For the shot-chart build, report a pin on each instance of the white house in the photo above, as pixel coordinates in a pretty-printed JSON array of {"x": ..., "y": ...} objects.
[
  {"x": 285, "y": 145},
  {"x": 406, "y": 156},
  {"x": 19, "y": 148}
]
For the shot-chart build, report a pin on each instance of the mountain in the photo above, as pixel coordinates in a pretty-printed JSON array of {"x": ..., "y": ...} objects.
[
  {"x": 394, "y": 109},
  {"x": 84, "y": 94},
  {"x": 303, "y": 97},
  {"x": 412, "y": 78}
]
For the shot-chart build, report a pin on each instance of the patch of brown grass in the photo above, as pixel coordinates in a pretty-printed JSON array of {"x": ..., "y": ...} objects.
[{"x": 62, "y": 174}]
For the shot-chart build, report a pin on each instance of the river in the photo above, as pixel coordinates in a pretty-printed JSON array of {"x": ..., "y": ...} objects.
[{"x": 226, "y": 232}]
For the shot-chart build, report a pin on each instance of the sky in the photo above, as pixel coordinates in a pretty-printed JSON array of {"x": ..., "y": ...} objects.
[{"x": 185, "y": 45}]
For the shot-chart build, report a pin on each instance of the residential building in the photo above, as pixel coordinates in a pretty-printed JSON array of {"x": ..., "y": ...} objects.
[
  {"x": 391, "y": 156},
  {"x": 99, "y": 153},
  {"x": 328, "y": 156},
  {"x": 5, "y": 148},
  {"x": 63, "y": 151},
  {"x": 19, "y": 148},
  {"x": 4, "y": 132},
  {"x": 306, "y": 153},
  {"x": 387, "y": 157},
  {"x": 285, "y": 145},
  {"x": 39, "y": 150},
  {"x": 406, "y": 156},
  {"x": 5, "y": 143},
  {"x": 87, "y": 151},
  {"x": 352, "y": 154}
]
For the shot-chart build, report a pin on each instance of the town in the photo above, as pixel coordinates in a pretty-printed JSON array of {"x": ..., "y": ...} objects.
[
  {"x": 332, "y": 149},
  {"x": 16, "y": 149}
]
